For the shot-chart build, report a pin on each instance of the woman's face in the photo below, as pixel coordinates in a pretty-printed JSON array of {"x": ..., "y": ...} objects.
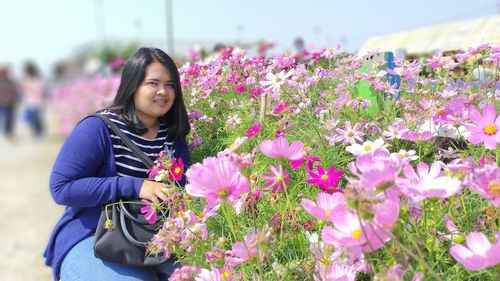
[{"x": 156, "y": 94}]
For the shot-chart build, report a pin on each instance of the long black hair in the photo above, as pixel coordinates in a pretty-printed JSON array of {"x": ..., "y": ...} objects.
[{"x": 132, "y": 77}]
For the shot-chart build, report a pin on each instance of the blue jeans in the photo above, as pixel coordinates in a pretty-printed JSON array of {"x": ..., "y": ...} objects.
[{"x": 80, "y": 264}]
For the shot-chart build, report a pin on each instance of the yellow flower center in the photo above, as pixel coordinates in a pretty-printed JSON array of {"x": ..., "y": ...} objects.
[
  {"x": 224, "y": 275},
  {"x": 356, "y": 234},
  {"x": 368, "y": 148},
  {"x": 279, "y": 177},
  {"x": 328, "y": 213},
  {"x": 490, "y": 129},
  {"x": 440, "y": 112},
  {"x": 350, "y": 134},
  {"x": 278, "y": 79},
  {"x": 177, "y": 170},
  {"x": 494, "y": 188},
  {"x": 324, "y": 177}
]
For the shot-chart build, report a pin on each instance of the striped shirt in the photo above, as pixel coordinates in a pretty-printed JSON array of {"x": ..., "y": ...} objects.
[{"x": 127, "y": 164}]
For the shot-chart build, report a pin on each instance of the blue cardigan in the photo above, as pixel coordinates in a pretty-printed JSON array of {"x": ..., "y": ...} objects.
[{"x": 83, "y": 179}]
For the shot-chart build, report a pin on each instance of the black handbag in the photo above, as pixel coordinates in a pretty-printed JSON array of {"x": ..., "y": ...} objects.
[{"x": 127, "y": 240}]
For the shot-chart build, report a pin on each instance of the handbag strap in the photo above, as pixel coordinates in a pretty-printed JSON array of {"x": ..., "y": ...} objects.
[{"x": 126, "y": 140}]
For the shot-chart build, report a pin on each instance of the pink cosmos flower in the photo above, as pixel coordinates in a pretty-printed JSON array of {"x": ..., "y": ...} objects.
[
  {"x": 486, "y": 182},
  {"x": 486, "y": 127},
  {"x": 395, "y": 131},
  {"x": 479, "y": 253},
  {"x": 326, "y": 203},
  {"x": 417, "y": 137},
  {"x": 149, "y": 211},
  {"x": 279, "y": 148},
  {"x": 186, "y": 272},
  {"x": 253, "y": 130},
  {"x": 214, "y": 275},
  {"x": 217, "y": 180},
  {"x": 350, "y": 134},
  {"x": 280, "y": 108},
  {"x": 326, "y": 181},
  {"x": 372, "y": 171},
  {"x": 240, "y": 88},
  {"x": 351, "y": 231},
  {"x": 277, "y": 180},
  {"x": 428, "y": 183},
  {"x": 306, "y": 157},
  {"x": 336, "y": 272},
  {"x": 243, "y": 251},
  {"x": 273, "y": 81}
]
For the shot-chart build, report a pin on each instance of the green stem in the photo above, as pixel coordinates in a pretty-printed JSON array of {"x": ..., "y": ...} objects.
[{"x": 229, "y": 218}]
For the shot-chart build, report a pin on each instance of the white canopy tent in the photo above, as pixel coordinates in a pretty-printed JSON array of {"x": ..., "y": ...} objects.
[{"x": 444, "y": 37}]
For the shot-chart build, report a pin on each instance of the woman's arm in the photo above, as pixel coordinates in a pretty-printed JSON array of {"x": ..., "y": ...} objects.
[{"x": 76, "y": 179}]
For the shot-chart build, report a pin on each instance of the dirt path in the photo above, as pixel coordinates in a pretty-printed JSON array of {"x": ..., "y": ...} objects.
[{"x": 27, "y": 209}]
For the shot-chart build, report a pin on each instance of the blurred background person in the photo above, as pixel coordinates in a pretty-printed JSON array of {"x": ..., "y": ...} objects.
[
  {"x": 9, "y": 97},
  {"x": 34, "y": 92}
]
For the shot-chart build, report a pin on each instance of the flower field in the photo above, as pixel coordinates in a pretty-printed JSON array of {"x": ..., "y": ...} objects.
[{"x": 319, "y": 167}]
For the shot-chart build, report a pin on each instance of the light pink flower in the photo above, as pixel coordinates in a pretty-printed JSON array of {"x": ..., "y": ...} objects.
[
  {"x": 279, "y": 148},
  {"x": 326, "y": 203},
  {"x": 243, "y": 251},
  {"x": 277, "y": 180},
  {"x": 350, "y": 134},
  {"x": 214, "y": 275},
  {"x": 428, "y": 183},
  {"x": 149, "y": 211},
  {"x": 486, "y": 127},
  {"x": 479, "y": 253},
  {"x": 217, "y": 180},
  {"x": 486, "y": 182}
]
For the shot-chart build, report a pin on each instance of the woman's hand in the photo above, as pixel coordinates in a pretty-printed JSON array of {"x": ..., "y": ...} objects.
[{"x": 153, "y": 191}]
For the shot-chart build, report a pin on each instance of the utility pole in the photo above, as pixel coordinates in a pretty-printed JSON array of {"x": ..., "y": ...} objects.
[{"x": 170, "y": 28}]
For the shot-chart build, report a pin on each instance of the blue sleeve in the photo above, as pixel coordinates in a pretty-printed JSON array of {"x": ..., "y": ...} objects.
[
  {"x": 81, "y": 173},
  {"x": 181, "y": 150}
]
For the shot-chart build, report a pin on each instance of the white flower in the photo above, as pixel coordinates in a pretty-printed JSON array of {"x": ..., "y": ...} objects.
[
  {"x": 366, "y": 147},
  {"x": 233, "y": 120}
]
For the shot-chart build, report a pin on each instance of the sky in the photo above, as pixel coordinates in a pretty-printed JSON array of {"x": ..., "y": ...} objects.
[{"x": 50, "y": 30}]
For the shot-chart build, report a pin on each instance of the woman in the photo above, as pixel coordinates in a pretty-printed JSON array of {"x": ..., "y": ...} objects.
[
  {"x": 93, "y": 167},
  {"x": 33, "y": 89}
]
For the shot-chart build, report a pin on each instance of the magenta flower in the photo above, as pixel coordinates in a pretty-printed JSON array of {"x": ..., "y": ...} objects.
[
  {"x": 253, "y": 130},
  {"x": 326, "y": 203},
  {"x": 277, "y": 180},
  {"x": 486, "y": 127},
  {"x": 279, "y": 148},
  {"x": 240, "y": 88},
  {"x": 479, "y": 253},
  {"x": 326, "y": 181},
  {"x": 280, "y": 108},
  {"x": 149, "y": 211},
  {"x": 217, "y": 180},
  {"x": 295, "y": 164}
]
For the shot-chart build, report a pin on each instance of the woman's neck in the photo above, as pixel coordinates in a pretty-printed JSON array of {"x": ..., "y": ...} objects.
[{"x": 153, "y": 126}]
